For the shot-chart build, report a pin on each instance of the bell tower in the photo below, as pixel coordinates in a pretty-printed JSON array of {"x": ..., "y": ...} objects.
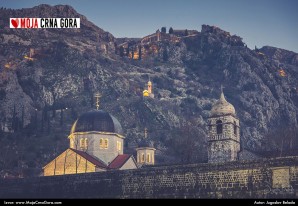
[{"x": 223, "y": 132}]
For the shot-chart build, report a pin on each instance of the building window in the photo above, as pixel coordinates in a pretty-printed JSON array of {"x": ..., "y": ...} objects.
[
  {"x": 106, "y": 145},
  {"x": 118, "y": 146},
  {"x": 148, "y": 158},
  {"x": 82, "y": 143},
  {"x": 152, "y": 157},
  {"x": 86, "y": 143},
  {"x": 219, "y": 127},
  {"x": 101, "y": 143},
  {"x": 143, "y": 157},
  {"x": 235, "y": 128}
]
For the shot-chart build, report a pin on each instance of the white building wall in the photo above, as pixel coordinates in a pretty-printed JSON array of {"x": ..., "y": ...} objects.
[
  {"x": 107, "y": 155},
  {"x": 130, "y": 164}
]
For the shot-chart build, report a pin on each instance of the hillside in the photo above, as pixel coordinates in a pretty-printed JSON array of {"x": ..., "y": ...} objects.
[{"x": 41, "y": 97}]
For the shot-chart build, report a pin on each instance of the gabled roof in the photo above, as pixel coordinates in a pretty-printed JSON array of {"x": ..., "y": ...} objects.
[
  {"x": 119, "y": 161},
  {"x": 90, "y": 158}
]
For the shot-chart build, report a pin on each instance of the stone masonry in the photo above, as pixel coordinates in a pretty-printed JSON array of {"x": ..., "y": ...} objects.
[{"x": 268, "y": 178}]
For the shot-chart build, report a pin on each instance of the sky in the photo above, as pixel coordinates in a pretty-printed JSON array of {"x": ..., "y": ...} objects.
[{"x": 258, "y": 22}]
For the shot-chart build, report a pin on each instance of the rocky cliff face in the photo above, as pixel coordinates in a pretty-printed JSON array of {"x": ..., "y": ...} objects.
[{"x": 69, "y": 66}]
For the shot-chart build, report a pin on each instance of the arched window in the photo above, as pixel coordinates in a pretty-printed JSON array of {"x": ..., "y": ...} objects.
[
  {"x": 86, "y": 143},
  {"x": 82, "y": 143},
  {"x": 143, "y": 157},
  {"x": 101, "y": 143},
  {"x": 219, "y": 127},
  {"x": 235, "y": 128},
  {"x": 118, "y": 146},
  {"x": 148, "y": 157},
  {"x": 106, "y": 144}
]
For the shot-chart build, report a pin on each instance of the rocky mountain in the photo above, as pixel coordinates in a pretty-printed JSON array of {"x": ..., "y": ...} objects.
[{"x": 49, "y": 76}]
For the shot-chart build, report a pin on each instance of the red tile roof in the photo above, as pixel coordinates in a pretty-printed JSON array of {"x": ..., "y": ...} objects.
[
  {"x": 119, "y": 161},
  {"x": 90, "y": 158}
]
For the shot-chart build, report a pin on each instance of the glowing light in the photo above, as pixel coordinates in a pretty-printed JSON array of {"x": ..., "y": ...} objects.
[
  {"x": 282, "y": 73},
  {"x": 7, "y": 66},
  {"x": 29, "y": 58},
  {"x": 145, "y": 93}
]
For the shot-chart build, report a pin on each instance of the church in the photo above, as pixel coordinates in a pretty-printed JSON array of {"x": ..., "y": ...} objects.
[{"x": 96, "y": 142}]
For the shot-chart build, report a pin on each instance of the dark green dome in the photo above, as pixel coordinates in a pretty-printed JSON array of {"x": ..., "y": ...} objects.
[{"x": 97, "y": 121}]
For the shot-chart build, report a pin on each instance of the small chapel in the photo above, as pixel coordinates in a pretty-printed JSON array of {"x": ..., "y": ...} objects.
[{"x": 148, "y": 93}]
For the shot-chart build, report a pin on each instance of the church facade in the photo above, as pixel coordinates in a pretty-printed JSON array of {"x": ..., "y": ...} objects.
[{"x": 96, "y": 144}]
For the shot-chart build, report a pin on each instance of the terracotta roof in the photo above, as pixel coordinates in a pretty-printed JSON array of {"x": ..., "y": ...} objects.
[
  {"x": 119, "y": 161},
  {"x": 90, "y": 158}
]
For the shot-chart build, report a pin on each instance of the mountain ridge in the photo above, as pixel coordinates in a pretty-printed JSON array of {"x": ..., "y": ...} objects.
[{"x": 40, "y": 99}]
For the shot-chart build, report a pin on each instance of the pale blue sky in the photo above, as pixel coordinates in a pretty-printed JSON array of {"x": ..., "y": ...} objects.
[{"x": 258, "y": 22}]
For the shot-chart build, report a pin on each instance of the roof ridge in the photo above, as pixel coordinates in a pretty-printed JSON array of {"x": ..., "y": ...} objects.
[{"x": 94, "y": 160}]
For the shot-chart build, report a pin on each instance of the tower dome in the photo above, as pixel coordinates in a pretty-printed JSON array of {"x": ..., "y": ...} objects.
[
  {"x": 222, "y": 107},
  {"x": 97, "y": 120}
]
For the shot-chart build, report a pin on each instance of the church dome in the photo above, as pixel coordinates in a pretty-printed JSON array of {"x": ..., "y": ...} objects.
[
  {"x": 145, "y": 143},
  {"x": 98, "y": 121},
  {"x": 222, "y": 107}
]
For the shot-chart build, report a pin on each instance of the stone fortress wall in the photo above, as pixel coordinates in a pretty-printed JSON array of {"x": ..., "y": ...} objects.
[{"x": 268, "y": 178}]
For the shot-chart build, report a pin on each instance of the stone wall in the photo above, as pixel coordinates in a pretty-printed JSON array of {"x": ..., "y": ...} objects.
[{"x": 273, "y": 178}]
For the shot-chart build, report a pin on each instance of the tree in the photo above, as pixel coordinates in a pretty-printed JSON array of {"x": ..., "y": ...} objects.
[
  {"x": 165, "y": 55},
  {"x": 171, "y": 31},
  {"x": 22, "y": 120},
  {"x": 132, "y": 52},
  {"x": 164, "y": 29},
  {"x": 61, "y": 117},
  {"x": 187, "y": 144},
  {"x": 127, "y": 51},
  {"x": 116, "y": 48},
  {"x": 284, "y": 140},
  {"x": 140, "y": 53},
  {"x": 186, "y": 32},
  {"x": 121, "y": 51}
]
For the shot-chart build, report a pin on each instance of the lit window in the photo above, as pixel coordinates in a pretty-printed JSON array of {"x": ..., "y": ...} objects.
[
  {"x": 101, "y": 143},
  {"x": 82, "y": 143},
  {"x": 118, "y": 146},
  {"x": 148, "y": 157},
  {"x": 86, "y": 143},
  {"x": 143, "y": 157},
  {"x": 106, "y": 144},
  {"x": 152, "y": 157},
  {"x": 219, "y": 127}
]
